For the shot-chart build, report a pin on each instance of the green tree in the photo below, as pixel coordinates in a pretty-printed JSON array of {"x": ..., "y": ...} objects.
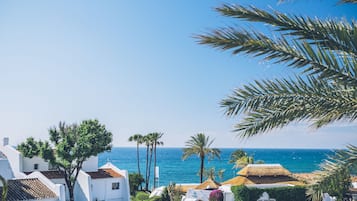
[
  {"x": 200, "y": 145},
  {"x": 136, "y": 180},
  {"x": 4, "y": 188},
  {"x": 73, "y": 145},
  {"x": 138, "y": 138},
  {"x": 326, "y": 92}
]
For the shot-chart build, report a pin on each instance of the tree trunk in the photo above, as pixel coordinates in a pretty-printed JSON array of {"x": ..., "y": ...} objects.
[
  {"x": 71, "y": 194},
  {"x": 137, "y": 155},
  {"x": 150, "y": 163},
  {"x": 147, "y": 164},
  {"x": 155, "y": 164},
  {"x": 202, "y": 168}
]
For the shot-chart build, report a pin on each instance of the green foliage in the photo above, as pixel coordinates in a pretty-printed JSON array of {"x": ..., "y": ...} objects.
[
  {"x": 241, "y": 193},
  {"x": 73, "y": 144},
  {"x": 212, "y": 173},
  {"x": 4, "y": 188},
  {"x": 325, "y": 92},
  {"x": 141, "y": 196},
  {"x": 172, "y": 193},
  {"x": 29, "y": 148},
  {"x": 135, "y": 180},
  {"x": 200, "y": 145},
  {"x": 296, "y": 193},
  {"x": 237, "y": 154}
]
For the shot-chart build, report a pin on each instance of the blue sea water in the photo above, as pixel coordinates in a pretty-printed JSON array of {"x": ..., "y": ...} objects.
[{"x": 174, "y": 169}]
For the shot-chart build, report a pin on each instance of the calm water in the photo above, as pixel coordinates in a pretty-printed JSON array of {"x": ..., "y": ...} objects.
[{"x": 173, "y": 169}]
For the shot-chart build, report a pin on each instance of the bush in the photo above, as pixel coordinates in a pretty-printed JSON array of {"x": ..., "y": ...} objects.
[
  {"x": 135, "y": 181},
  {"x": 295, "y": 193},
  {"x": 241, "y": 193},
  {"x": 141, "y": 196}
]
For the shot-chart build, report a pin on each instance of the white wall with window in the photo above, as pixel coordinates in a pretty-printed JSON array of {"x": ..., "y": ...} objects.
[
  {"x": 108, "y": 189},
  {"x": 30, "y": 164}
]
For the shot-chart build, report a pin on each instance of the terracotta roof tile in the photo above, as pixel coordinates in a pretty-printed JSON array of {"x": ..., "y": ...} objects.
[
  {"x": 27, "y": 189},
  {"x": 104, "y": 173}
]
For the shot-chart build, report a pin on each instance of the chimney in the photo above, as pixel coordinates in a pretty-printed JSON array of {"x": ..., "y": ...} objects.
[{"x": 5, "y": 141}]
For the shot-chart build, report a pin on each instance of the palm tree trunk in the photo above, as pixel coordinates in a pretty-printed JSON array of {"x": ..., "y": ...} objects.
[
  {"x": 147, "y": 168},
  {"x": 202, "y": 168},
  {"x": 155, "y": 164},
  {"x": 150, "y": 162},
  {"x": 137, "y": 155}
]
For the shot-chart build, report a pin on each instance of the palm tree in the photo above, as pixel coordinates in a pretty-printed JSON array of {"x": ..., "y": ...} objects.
[
  {"x": 155, "y": 141},
  {"x": 138, "y": 138},
  {"x": 326, "y": 92},
  {"x": 244, "y": 161},
  {"x": 200, "y": 145},
  {"x": 147, "y": 141},
  {"x": 236, "y": 155},
  {"x": 4, "y": 188}
]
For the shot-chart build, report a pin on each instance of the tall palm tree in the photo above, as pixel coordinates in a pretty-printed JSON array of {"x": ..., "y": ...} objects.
[
  {"x": 200, "y": 145},
  {"x": 138, "y": 138},
  {"x": 155, "y": 141},
  {"x": 147, "y": 142},
  {"x": 4, "y": 188},
  {"x": 326, "y": 92}
]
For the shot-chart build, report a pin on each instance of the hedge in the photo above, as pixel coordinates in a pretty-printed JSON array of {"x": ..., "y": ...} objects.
[{"x": 295, "y": 193}]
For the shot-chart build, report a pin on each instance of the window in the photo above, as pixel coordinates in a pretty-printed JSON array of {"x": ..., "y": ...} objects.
[
  {"x": 115, "y": 186},
  {"x": 35, "y": 166}
]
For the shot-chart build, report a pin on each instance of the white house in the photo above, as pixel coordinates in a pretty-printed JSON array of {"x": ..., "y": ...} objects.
[{"x": 107, "y": 183}]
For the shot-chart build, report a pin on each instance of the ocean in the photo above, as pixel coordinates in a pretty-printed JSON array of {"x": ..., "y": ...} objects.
[{"x": 173, "y": 169}]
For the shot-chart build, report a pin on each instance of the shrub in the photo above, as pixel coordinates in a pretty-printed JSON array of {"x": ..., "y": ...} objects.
[
  {"x": 141, "y": 196},
  {"x": 295, "y": 193},
  {"x": 241, "y": 193}
]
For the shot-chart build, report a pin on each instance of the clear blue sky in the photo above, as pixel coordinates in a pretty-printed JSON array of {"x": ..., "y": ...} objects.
[{"x": 135, "y": 66}]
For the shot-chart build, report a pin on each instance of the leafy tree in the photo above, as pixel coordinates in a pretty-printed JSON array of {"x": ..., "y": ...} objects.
[
  {"x": 4, "y": 188},
  {"x": 139, "y": 140},
  {"x": 30, "y": 147},
  {"x": 136, "y": 180},
  {"x": 326, "y": 92},
  {"x": 200, "y": 145},
  {"x": 71, "y": 146}
]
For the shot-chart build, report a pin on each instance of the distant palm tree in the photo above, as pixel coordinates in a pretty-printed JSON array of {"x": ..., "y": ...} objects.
[
  {"x": 212, "y": 173},
  {"x": 244, "y": 161},
  {"x": 138, "y": 138},
  {"x": 236, "y": 155},
  {"x": 200, "y": 145},
  {"x": 155, "y": 141},
  {"x": 147, "y": 142},
  {"x": 4, "y": 188}
]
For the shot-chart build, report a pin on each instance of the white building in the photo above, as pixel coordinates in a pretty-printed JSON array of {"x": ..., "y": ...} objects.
[{"x": 107, "y": 183}]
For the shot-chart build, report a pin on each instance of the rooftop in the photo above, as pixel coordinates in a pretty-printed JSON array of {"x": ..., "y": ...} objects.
[
  {"x": 27, "y": 189},
  {"x": 104, "y": 173},
  {"x": 264, "y": 170}
]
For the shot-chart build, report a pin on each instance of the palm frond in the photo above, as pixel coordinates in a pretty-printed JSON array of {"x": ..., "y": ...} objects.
[
  {"x": 273, "y": 104},
  {"x": 297, "y": 53},
  {"x": 330, "y": 34}
]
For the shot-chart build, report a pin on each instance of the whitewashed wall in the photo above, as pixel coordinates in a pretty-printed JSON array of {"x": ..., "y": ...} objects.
[
  {"x": 28, "y": 164},
  {"x": 5, "y": 170},
  {"x": 15, "y": 159},
  {"x": 82, "y": 189},
  {"x": 125, "y": 185},
  {"x": 102, "y": 189},
  {"x": 91, "y": 164}
]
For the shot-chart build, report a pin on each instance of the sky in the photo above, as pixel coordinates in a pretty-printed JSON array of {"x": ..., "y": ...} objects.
[{"x": 136, "y": 67}]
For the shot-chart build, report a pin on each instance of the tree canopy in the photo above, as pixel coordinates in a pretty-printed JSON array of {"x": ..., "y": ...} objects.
[{"x": 69, "y": 147}]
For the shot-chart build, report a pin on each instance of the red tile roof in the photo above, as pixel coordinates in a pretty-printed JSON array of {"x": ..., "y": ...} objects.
[
  {"x": 27, "y": 189},
  {"x": 104, "y": 173}
]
